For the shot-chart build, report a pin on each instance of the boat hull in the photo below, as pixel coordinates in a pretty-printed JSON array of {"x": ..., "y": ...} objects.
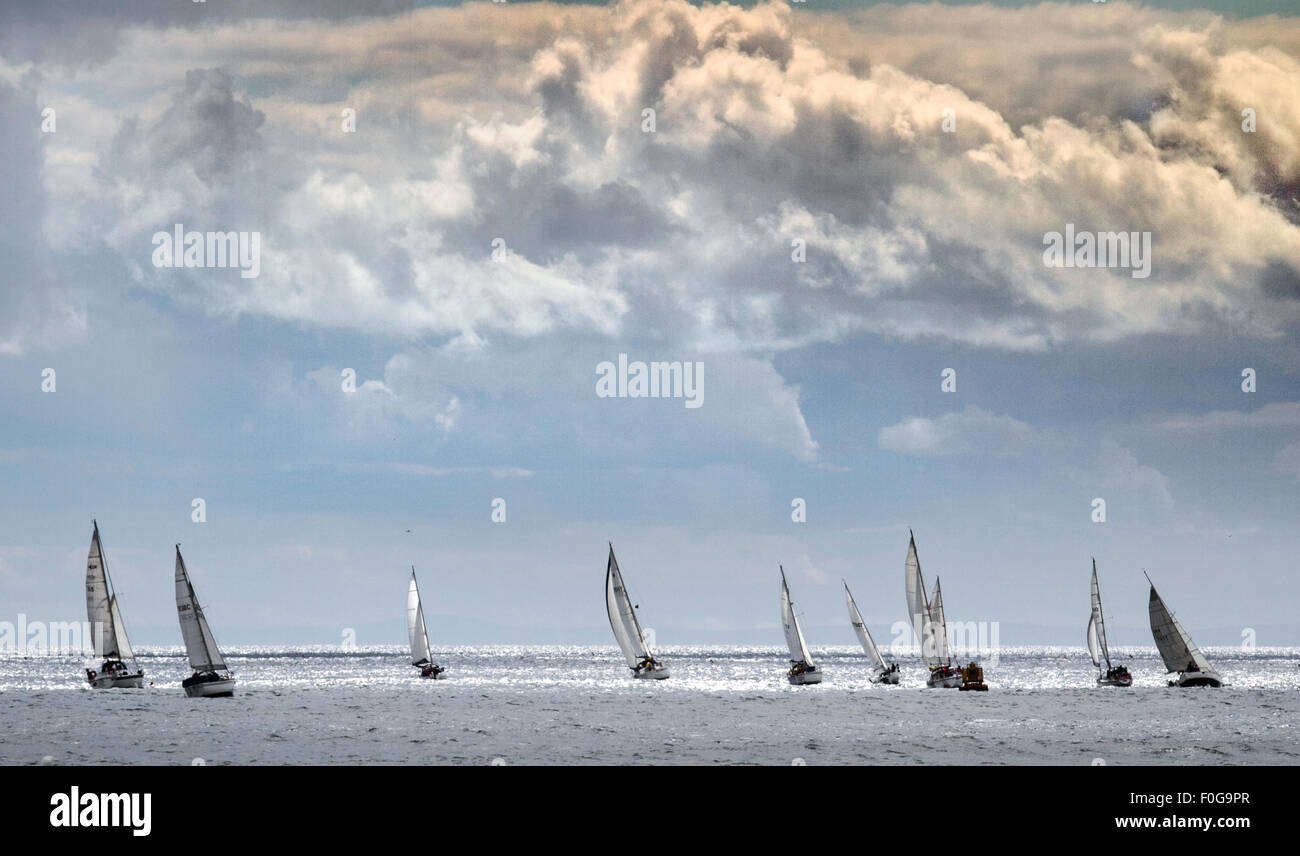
[
  {"x": 659, "y": 674},
  {"x": 802, "y": 678},
  {"x": 1196, "y": 679},
  {"x": 118, "y": 682},
  {"x": 224, "y": 688},
  {"x": 937, "y": 679},
  {"x": 1115, "y": 682},
  {"x": 890, "y": 678}
]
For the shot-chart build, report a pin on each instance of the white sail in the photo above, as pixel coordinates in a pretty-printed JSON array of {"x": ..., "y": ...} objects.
[
  {"x": 200, "y": 645},
  {"x": 622, "y": 615},
  {"x": 99, "y": 611},
  {"x": 940, "y": 626},
  {"x": 1175, "y": 646},
  {"x": 1097, "y": 625},
  {"x": 124, "y": 651},
  {"x": 790, "y": 623},
  {"x": 1092, "y": 641},
  {"x": 860, "y": 628},
  {"x": 415, "y": 628},
  {"x": 918, "y": 608}
]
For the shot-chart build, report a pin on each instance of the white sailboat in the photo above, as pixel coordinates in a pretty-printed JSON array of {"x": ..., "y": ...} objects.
[
  {"x": 888, "y": 672},
  {"x": 928, "y": 622},
  {"x": 626, "y": 627},
  {"x": 115, "y": 664},
  {"x": 1114, "y": 676},
  {"x": 1177, "y": 649},
  {"x": 421, "y": 654},
  {"x": 802, "y": 669},
  {"x": 211, "y": 678}
]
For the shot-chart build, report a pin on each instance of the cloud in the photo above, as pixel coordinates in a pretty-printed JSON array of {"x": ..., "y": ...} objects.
[
  {"x": 772, "y": 126},
  {"x": 372, "y": 409},
  {"x": 36, "y": 309},
  {"x": 1115, "y": 472},
  {"x": 1280, "y": 414},
  {"x": 1288, "y": 459},
  {"x": 970, "y": 430}
]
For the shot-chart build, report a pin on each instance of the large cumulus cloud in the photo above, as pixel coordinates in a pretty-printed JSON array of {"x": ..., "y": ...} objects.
[{"x": 776, "y": 131}]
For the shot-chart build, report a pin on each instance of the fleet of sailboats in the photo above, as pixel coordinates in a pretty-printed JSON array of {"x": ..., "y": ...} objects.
[
  {"x": 211, "y": 678},
  {"x": 115, "y": 665},
  {"x": 802, "y": 669},
  {"x": 1114, "y": 676},
  {"x": 421, "y": 654},
  {"x": 888, "y": 673},
  {"x": 1182, "y": 657},
  {"x": 626, "y": 627}
]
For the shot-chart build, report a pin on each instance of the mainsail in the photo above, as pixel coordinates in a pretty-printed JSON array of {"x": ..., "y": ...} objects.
[
  {"x": 860, "y": 628},
  {"x": 100, "y": 603},
  {"x": 790, "y": 623},
  {"x": 1176, "y": 647},
  {"x": 622, "y": 615},
  {"x": 415, "y": 629},
  {"x": 201, "y": 647},
  {"x": 918, "y": 608},
  {"x": 1097, "y": 625}
]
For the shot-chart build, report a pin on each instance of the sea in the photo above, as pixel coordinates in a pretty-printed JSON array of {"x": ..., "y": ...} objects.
[{"x": 552, "y": 705}]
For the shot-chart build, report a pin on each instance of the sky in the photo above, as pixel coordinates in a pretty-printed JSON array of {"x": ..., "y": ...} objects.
[{"x": 468, "y": 209}]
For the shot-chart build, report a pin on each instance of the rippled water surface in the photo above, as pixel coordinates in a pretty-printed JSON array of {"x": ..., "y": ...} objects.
[{"x": 575, "y": 705}]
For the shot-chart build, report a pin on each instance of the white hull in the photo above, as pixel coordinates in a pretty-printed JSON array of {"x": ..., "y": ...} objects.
[
  {"x": 1197, "y": 679},
  {"x": 652, "y": 674},
  {"x": 211, "y": 689},
  {"x": 129, "y": 682},
  {"x": 952, "y": 681},
  {"x": 805, "y": 678}
]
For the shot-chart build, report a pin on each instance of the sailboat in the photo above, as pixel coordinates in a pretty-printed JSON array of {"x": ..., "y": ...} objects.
[
  {"x": 888, "y": 673},
  {"x": 626, "y": 627},
  {"x": 802, "y": 669},
  {"x": 211, "y": 678},
  {"x": 1114, "y": 676},
  {"x": 1177, "y": 648},
  {"x": 117, "y": 666},
  {"x": 421, "y": 655},
  {"x": 928, "y": 622}
]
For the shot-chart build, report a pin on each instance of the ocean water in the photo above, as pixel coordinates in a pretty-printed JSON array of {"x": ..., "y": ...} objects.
[{"x": 576, "y": 705}]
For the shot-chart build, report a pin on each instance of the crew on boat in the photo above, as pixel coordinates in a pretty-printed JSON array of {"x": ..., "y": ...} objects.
[
  {"x": 431, "y": 670},
  {"x": 647, "y": 664},
  {"x": 800, "y": 667}
]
